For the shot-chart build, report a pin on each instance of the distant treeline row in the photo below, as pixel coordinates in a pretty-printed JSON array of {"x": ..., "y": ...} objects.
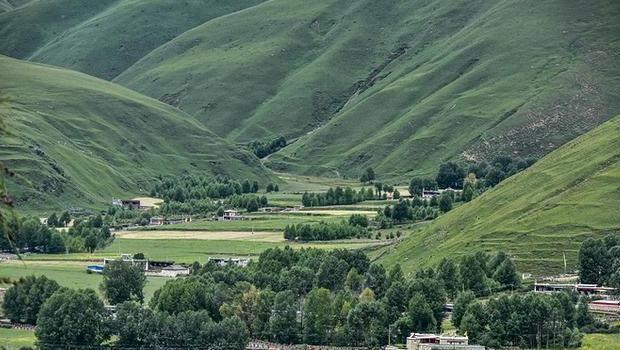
[
  {"x": 324, "y": 231},
  {"x": 34, "y": 236},
  {"x": 264, "y": 148},
  {"x": 478, "y": 175},
  {"x": 187, "y": 187},
  {"x": 337, "y": 196}
]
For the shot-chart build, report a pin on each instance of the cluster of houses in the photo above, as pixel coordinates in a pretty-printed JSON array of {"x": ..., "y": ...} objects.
[
  {"x": 426, "y": 341},
  {"x": 150, "y": 267}
]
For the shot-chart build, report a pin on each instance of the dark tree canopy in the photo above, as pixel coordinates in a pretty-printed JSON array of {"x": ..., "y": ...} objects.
[{"x": 123, "y": 281}]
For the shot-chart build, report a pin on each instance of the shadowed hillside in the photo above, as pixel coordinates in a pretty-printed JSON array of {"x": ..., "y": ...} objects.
[
  {"x": 103, "y": 37},
  {"x": 77, "y": 140},
  {"x": 537, "y": 215},
  {"x": 399, "y": 85}
]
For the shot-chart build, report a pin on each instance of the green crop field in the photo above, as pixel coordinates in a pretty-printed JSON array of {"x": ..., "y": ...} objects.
[
  {"x": 70, "y": 274},
  {"x": 76, "y": 140},
  {"x": 16, "y": 338},
  {"x": 536, "y": 215},
  {"x": 601, "y": 342}
]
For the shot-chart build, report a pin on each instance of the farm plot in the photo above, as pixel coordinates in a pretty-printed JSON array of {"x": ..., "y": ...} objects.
[{"x": 260, "y": 236}]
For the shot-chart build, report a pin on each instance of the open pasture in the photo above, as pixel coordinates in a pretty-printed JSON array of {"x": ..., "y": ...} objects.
[{"x": 67, "y": 273}]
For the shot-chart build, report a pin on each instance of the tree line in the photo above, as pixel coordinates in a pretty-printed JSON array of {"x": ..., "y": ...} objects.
[
  {"x": 264, "y": 148},
  {"x": 337, "y": 196},
  {"x": 183, "y": 188},
  {"x": 599, "y": 261},
  {"x": 323, "y": 231},
  {"x": 472, "y": 178},
  {"x": 307, "y": 296}
]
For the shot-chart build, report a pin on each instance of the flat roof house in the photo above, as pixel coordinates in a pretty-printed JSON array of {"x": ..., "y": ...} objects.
[{"x": 427, "y": 341}]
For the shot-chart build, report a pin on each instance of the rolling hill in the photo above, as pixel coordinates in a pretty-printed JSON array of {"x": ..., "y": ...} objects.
[
  {"x": 537, "y": 215},
  {"x": 75, "y": 140},
  {"x": 103, "y": 37},
  {"x": 401, "y": 85}
]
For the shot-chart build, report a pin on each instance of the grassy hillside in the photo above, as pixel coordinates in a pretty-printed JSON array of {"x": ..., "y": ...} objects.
[
  {"x": 103, "y": 37},
  {"x": 399, "y": 85},
  {"x": 77, "y": 140},
  {"x": 537, "y": 215}
]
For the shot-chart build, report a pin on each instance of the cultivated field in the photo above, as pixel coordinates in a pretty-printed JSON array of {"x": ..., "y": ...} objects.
[{"x": 259, "y": 236}]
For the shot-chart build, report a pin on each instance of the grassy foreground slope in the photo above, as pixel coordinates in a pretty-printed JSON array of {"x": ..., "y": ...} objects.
[
  {"x": 77, "y": 140},
  {"x": 537, "y": 215},
  {"x": 103, "y": 37},
  {"x": 399, "y": 85}
]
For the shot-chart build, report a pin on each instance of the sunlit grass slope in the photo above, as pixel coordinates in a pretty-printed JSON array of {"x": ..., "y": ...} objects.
[
  {"x": 397, "y": 85},
  {"x": 75, "y": 140},
  {"x": 537, "y": 215}
]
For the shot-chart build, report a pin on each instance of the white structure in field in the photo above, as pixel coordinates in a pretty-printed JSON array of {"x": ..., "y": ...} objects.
[{"x": 426, "y": 341}]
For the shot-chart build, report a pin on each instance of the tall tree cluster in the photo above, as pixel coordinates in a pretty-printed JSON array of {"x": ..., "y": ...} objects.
[{"x": 599, "y": 261}]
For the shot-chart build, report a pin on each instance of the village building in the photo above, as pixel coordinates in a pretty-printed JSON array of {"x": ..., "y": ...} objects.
[
  {"x": 428, "y": 194},
  {"x": 581, "y": 288},
  {"x": 427, "y": 341},
  {"x": 174, "y": 271},
  {"x": 126, "y": 203},
  {"x": 230, "y": 261},
  {"x": 231, "y": 215},
  {"x": 605, "y": 307}
]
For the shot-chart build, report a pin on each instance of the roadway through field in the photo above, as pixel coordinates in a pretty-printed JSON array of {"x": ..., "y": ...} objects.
[{"x": 257, "y": 236}]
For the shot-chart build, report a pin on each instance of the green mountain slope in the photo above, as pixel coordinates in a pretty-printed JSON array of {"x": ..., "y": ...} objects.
[
  {"x": 537, "y": 215},
  {"x": 103, "y": 37},
  {"x": 399, "y": 85},
  {"x": 78, "y": 140}
]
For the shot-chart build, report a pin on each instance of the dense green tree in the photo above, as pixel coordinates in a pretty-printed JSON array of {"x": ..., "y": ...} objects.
[
  {"x": 255, "y": 187},
  {"x": 64, "y": 219},
  {"x": 129, "y": 324},
  {"x": 91, "y": 242},
  {"x": 506, "y": 274},
  {"x": 24, "y": 298},
  {"x": 332, "y": 273},
  {"x": 358, "y": 220},
  {"x": 594, "y": 262},
  {"x": 418, "y": 184},
  {"x": 52, "y": 220},
  {"x": 376, "y": 280},
  {"x": 72, "y": 317},
  {"x": 395, "y": 274},
  {"x": 463, "y": 300},
  {"x": 472, "y": 274},
  {"x": 448, "y": 273},
  {"x": 262, "y": 313},
  {"x": 474, "y": 322},
  {"x": 396, "y": 300},
  {"x": 246, "y": 187},
  {"x": 283, "y": 322},
  {"x": 123, "y": 281},
  {"x": 186, "y": 294},
  {"x": 354, "y": 281},
  {"x": 450, "y": 174},
  {"x": 299, "y": 280},
  {"x": 421, "y": 314},
  {"x": 367, "y": 324},
  {"x": 57, "y": 244},
  {"x": 445, "y": 202},
  {"x": 433, "y": 292},
  {"x": 318, "y": 317}
]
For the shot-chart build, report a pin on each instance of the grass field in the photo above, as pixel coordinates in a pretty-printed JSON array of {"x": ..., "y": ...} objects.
[
  {"x": 536, "y": 215},
  {"x": 601, "y": 342},
  {"x": 16, "y": 338},
  {"x": 267, "y": 222},
  {"x": 67, "y": 273}
]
